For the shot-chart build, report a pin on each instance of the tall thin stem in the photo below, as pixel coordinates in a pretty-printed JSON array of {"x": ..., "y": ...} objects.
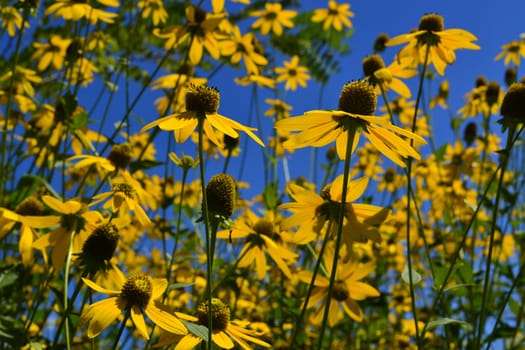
[{"x": 352, "y": 129}]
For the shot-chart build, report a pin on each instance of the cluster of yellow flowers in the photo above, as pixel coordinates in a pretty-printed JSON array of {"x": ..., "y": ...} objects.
[{"x": 394, "y": 241}]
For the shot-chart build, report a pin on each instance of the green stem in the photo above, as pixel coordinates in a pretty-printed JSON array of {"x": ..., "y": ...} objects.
[
  {"x": 202, "y": 117},
  {"x": 352, "y": 129},
  {"x": 66, "y": 287},
  {"x": 504, "y": 162},
  {"x": 121, "y": 329},
  {"x": 409, "y": 195}
]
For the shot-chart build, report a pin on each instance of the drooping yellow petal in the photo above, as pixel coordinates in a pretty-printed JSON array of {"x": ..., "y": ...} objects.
[
  {"x": 138, "y": 320},
  {"x": 100, "y": 315},
  {"x": 164, "y": 319},
  {"x": 98, "y": 288},
  {"x": 222, "y": 339}
]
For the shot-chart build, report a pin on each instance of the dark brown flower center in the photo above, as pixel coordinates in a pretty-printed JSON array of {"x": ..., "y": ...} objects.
[
  {"x": 203, "y": 99},
  {"x": 137, "y": 291},
  {"x": 358, "y": 97},
  {"x": 432, "y": 23},
  {"x": 513, "y": 105},
  {"x": 120, "y": 155},
  {"x": 340, "y": 291},
  {"x": 220, "y": 314},
  {"x": 371, "y": 64},
  {"x": 30, "y": 206},
  {"x": 221, "y": 193}
]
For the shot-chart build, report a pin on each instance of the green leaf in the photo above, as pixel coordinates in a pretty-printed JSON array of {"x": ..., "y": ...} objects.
[
  {"x": 8, "y": 277},
  {"x": 416, "y": 277},
  {"x": 178, "y": 286},
  {"x": 445, "y": 321},
  {"x": 440, "y": 153},
  {"x": 197, "y": 329}
]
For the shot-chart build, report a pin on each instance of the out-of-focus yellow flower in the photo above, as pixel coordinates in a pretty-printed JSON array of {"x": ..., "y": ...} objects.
[
  {"x": 441, "y": 99},
  {"x": 293, "y": 74},
  {"x": 51, "y": 53},
  {"x": 199, "y": 31},
  {"x": 347, "y": 289},
  {"x": 335, "y": 16},
  {"x": 440, "y": 42},
  {"x": 258, "y": 79},
  {"x": 76, "y": 222},
  {"x": 11, "y": 19},
  {"x": 241, "y": 46},
  {"x": 512, "y": 52},
  {"x": 387, "y": 77},
  {"x": 74, "y": 11},
  {"x": 23, "y": 80},
  {"x": 273, "y": 18},
  {"x": 155, "y": 9}
]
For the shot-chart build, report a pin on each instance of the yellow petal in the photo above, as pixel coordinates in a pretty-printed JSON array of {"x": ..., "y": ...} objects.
[
  {"x": 164, "y": 319},
  {"x": 222, "y": 340}
]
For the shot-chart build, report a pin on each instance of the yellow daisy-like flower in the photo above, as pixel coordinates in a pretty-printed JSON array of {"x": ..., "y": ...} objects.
[
  {"x": 357, "y": 104},
  {"x": 293, "y": 74},
  {"x": 258, "y": 79},
  {"x": 273, "y": 18},
  {"x": 241, "y": 46},
  {"x": 336, "y": 16},
  {"x": 11, "y": 19},
  {"x": 224, "y": 331},
  {"x": 76, "y": 222},
  {"x": 138, "y": 295},
  {"x": 202, "y": 102},
  {"x": 76, "y": 10},
  {"x": 388, "y": 77},
  {"x": 199, "y": 31},
  {"x": 440, "y": 42},
  {"x": 262, "y": 237},
  {"x": 52, "y": 53},
  {"x": 347, "y": 289},
  {"x": 29, "y": 214},
  {"x": 512, "y": 51},
  {"x": 155, "y": 9},
  {"x": 312, "y": 212}
]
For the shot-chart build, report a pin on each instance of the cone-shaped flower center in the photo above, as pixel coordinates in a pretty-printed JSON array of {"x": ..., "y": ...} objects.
[
  {"x": 340, "y": 291},
  {"x": 358, "y": 97},
  {"x": 124, "y": 189},
  {"x": 264, "y": 227},
  {"x": 30, "y": 206},
  {"x": 380, "y": 42},
  {"x": 101, "y": 245},
  {"x": 371, "y": 64},
  {"x": 203, "y": 99},
  {"x": 220, "y": 193},
  {"x": 432, "y": 23},
  {"x": 220, "y": 314},
  {"x": 137, "y": 291},
  {"x": 492, "y": 93},
  {"x": 120, "y": 155},
  {"x": 513, "y": 105}
]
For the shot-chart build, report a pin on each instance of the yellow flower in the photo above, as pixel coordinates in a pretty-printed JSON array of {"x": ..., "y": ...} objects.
[
  {"x": 388, "y": 77},
  {"x": 262, "y": 236},
  {"x": 260, "y": 80},
  {"x": 127, "y": 195},
  {"x": 11, "y": 19},
  {"x": 512, "y": 52},
  {"x": 75, "y": 10},
  {"x": 238, "y": 47},
  {"x": 441, "y": 43},
  {"x": 442, "y": 97},
  {"x": 312, "y": 212},
  {"x": 335, "y": 16},
  {"x": 318, "y": 128},
  {"x": 155, "y": 9},
  {"x": 347, "y": 290},
  {"x": 23, "y": 80},
  {"x": 224, "y": 330},
  {"x": 51, "y": 53},
  {"x": 293, "y": 74},
  {"x": 29, "y": 214},
  {"x": 138, "y": 295},
  {"x": 273, "y": 18},
  {"x": 75, "y": 222},
  {"x": 199, "y": 31},
  {"x": 202, "y": 101}
]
